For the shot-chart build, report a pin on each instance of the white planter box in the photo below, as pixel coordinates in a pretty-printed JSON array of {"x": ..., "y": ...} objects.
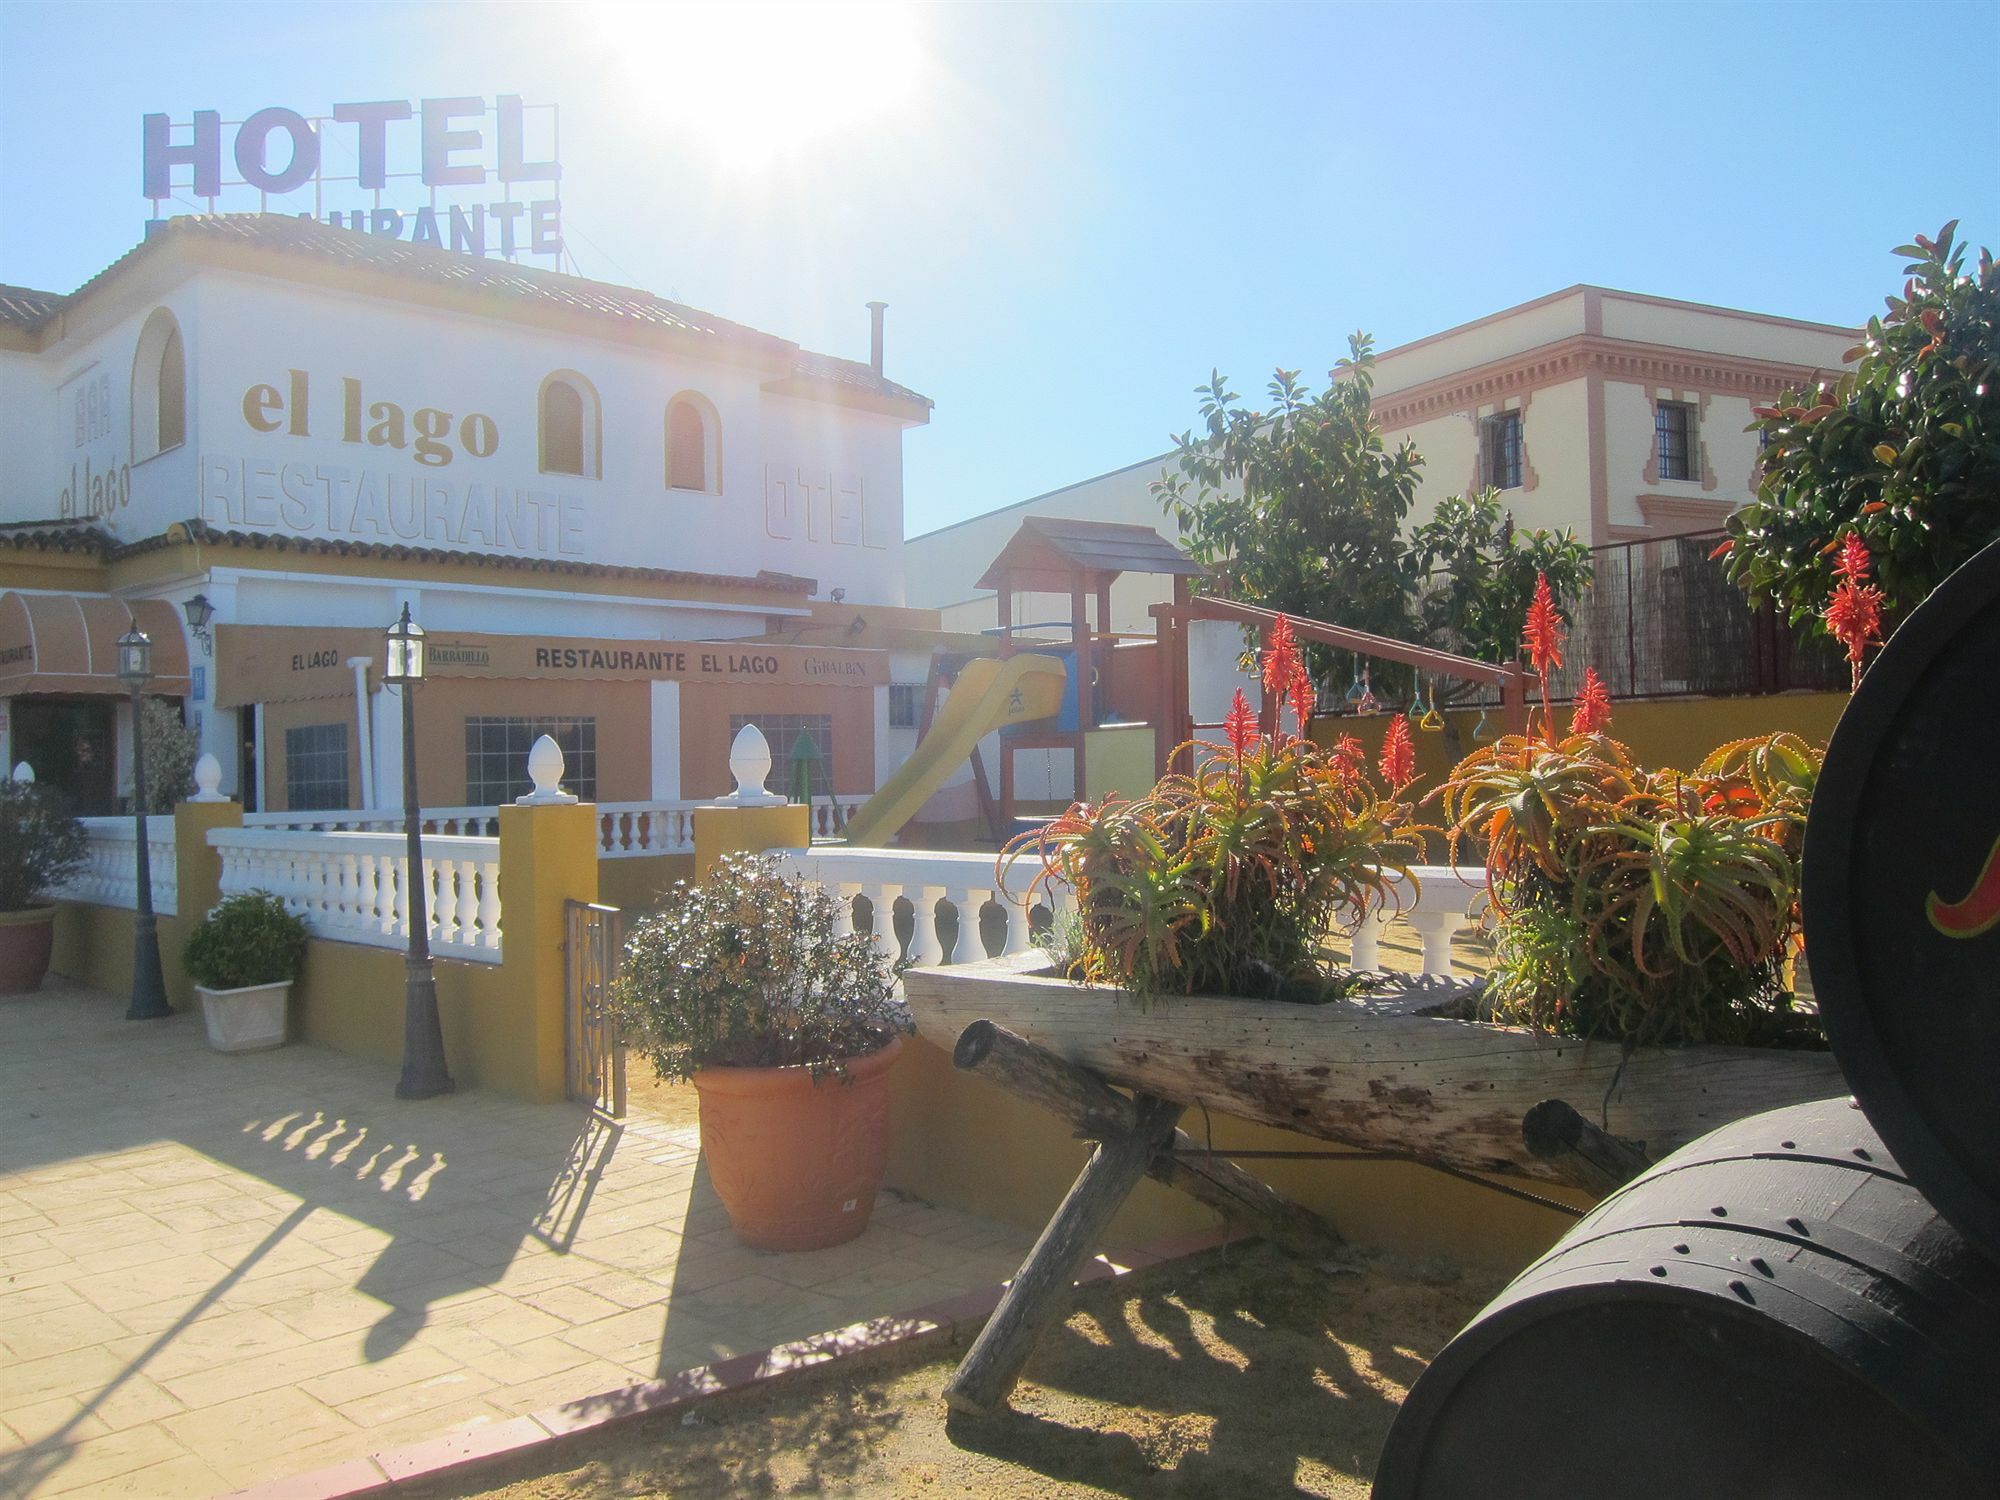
[{"x": 245, "y": 1020}]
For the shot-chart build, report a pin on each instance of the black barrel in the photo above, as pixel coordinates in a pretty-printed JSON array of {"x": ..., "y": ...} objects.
[
  {"x": 1771, "y": 1312},
  {"x": 1902, "y": 896}
]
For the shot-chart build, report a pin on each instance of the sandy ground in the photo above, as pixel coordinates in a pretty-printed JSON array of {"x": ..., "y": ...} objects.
[{"x": 1241, "y": 1373}]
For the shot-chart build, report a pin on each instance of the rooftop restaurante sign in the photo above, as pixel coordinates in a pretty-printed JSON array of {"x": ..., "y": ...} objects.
[{"x": 434, "y": 155}]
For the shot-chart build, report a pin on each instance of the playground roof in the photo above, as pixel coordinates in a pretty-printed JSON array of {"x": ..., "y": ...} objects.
[{"x": 1048, "y": 553}]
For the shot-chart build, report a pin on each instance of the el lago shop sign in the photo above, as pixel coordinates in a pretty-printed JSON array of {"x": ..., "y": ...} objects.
[{"x": 280, "y": 663}]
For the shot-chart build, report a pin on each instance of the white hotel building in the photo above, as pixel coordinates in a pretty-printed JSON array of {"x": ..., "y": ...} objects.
[{"x": 595, "y": 500}]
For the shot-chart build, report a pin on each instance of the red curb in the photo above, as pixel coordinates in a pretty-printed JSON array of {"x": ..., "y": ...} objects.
[{"x": 471, "y": 1447}]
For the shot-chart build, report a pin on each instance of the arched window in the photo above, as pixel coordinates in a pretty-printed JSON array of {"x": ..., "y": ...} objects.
[
  {"x": 694, "y": 444},
  {"x": 571, "y": 439},
  {"x": 159, "y": 388}
]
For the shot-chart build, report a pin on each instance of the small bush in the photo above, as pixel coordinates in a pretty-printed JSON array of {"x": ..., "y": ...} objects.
[
  {"x": 41, "y": 843},
  {"x": 745, "y": 970},
  {"x": 249, "y": 939}
]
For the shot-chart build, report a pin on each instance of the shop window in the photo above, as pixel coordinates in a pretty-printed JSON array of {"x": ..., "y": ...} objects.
[
  {"x": 694, "y": 445},
  {"x": 571, "y": 435},
  {"x": 1674, "y": 440},
  {"x": 316, "y": 767},
  {"x": 1500, "y": 450},
  {"x": 496, "y": 757},
  {"x": 159, "y": 388},
  {"x": 781, "y": 732},
  {"x": 905, "y": 701}
]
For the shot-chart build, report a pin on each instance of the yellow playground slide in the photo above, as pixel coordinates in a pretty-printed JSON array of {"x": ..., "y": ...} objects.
[{"x": 989, "y": 694}]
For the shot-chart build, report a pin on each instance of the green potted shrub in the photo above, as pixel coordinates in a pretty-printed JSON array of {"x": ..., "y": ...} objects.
[
  {"x": 243, "y": 957},
  {"x": 743, "y": 985},
  {"x": 41, "y": 845}
]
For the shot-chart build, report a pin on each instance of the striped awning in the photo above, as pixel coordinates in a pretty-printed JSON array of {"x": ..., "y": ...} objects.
[{"x": 68, "y": 643}]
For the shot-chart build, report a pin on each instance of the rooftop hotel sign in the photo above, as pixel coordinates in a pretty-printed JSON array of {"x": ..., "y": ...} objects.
[{"x": 426, "y": 171}]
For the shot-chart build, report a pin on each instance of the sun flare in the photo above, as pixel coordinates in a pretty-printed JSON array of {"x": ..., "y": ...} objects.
[{"x": 760, "y": 81}]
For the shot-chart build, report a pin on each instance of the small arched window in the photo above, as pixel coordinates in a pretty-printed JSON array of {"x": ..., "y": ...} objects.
[
  {"x": 694, "y": 444},
  {"x": 159, "y": 388},
  {"x": 571, "y": 440}
]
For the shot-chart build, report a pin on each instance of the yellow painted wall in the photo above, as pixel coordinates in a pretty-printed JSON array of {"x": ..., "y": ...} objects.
[
  {"x": 962, "y": 1142},
  {"x": 93, "y": 946},
  {"x": 1118, "y": 760},
  {"x": 637, "y": 884}
]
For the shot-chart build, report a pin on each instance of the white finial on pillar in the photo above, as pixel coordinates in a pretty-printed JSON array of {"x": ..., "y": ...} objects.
[
  {"x": 24, "y": 773},
  {"x": 545, "y": 769},
  {"x": 207, "y": 780},
  {"x": 750, "y": 764}
]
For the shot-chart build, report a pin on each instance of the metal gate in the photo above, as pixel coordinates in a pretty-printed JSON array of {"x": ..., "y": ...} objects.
[{"x": 593, "y": 940}]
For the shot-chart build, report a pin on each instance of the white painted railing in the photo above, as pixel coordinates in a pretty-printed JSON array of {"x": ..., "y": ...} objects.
[
  {"x": 963, "y": 885},
  {"x": 110, "y": 873},
  {"x": 464, "y": 822},
  {"x": 1441, "y": 904},
  {"x": 353, "y": 887}
]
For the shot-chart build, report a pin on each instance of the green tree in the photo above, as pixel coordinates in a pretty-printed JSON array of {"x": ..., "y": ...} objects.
[
  {"x": 1300, "y": 507},
  {"x": 1477, "y": 575},
  {"x": 172, "y": 748},
  {"x": 1904, "y": 448}
]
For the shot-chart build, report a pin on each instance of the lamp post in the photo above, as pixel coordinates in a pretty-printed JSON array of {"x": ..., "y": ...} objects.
[
  {"x": 424, "y": 1072},
  {"x": 149, "y": 986}
]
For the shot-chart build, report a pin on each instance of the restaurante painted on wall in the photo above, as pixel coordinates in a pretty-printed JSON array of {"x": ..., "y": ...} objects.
[{"x": 620, "y": 519}]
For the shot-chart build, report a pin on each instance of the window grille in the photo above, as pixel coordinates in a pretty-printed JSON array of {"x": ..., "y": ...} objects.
[
  {"x": 1500, "y": 450},
  {"x": 1674, "y": 438},
  {"x": 496, "y": 757},
  {"x": 905, "y": 702},
  {"x": 316, "y": 767}
]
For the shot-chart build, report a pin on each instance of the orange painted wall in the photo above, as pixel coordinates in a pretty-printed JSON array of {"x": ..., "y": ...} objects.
[{"x": 706, "y": 709}]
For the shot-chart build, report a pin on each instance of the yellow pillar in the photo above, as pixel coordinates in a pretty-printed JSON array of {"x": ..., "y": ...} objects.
[
  {"x": 548, "y": 856},
  {"x": 748, "y": 830},
  {"x": 197, "y": 885}
]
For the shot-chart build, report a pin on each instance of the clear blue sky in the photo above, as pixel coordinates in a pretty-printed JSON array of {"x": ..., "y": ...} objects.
[{"x": 1075, "y": 211}]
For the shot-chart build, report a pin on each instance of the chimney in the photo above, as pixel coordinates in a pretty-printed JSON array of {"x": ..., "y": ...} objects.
[{"x": 875, "y": 310}]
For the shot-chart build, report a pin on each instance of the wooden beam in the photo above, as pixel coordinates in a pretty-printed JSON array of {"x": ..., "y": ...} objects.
[
  {"x": 1039, "y": 1292},
  {"x": 1096, "y": 1111},
  {"x": 1591, "y": 1158}
]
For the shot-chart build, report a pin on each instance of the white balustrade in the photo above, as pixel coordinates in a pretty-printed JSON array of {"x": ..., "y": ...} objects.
[
  {"x": 460, "y": 822},
  {"x": 353, "y": 887},
  {"x": 637, "y": 830},
  {"x": 1442, "y": 902},
  {"x": 110, "y": 873},
  {"x": 928, "y": 879}
]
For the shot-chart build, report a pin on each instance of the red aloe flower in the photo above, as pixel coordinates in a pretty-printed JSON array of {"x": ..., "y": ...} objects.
[
  {"x": 1240, "y": 724},
  {"x": 1349, "y": 756},
  {"x": 1300, "y": 690},
  {"x": 1543, "y": 636},
  {"x": 1593, "y": 705},
  {"x": 1281, "y": 657},
  {"x": 1854, "y": 610},
  {"x": 1399, "y": 755}
]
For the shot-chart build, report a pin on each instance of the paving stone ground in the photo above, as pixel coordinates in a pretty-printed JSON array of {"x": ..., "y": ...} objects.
[{"x": 219, "y": 1270}]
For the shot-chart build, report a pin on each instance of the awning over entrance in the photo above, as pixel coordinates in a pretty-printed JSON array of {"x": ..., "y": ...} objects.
[
  {"x": 288, "y": 663},
  {"x": 68, "y": 643}
]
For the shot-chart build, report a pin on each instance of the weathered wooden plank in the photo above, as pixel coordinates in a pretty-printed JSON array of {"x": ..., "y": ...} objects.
[
  {"x": 1448, "y": 1091},
  {"x": 1039, "y": 1292},
  {"x": 1555, "y": 1132},
  {"x": 1098, "y": 1112}
]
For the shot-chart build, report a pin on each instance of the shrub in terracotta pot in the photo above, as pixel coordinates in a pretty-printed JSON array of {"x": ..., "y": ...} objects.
[
  {"x": 743, "y": 985},
  {"x": 243, "y": 957},
  {"x": 41, "y": 845}
]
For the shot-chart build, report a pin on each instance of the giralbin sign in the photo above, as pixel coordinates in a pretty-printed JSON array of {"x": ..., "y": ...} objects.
[{"x": 460, "y": 147}]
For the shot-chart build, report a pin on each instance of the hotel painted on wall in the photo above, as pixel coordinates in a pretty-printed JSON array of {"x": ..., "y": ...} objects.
[{"x": 621, "y": 520}]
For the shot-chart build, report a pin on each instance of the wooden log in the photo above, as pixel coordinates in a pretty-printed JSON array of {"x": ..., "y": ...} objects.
[
  {"x": 1588, "y": 1156},
  {"x": 1364, "y": 1072},
  {"x": 1098, "y": 1112},
  {"x": 1040, "y": 1291}
]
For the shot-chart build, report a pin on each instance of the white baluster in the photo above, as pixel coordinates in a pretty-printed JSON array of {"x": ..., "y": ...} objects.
[
  {"x": 1019, "y": 939},
  {"x": 1367, "y": 943},
  {"x": 1436, "y": 928},
  {"x": 468, "y": 902},
  {"x": 924, "y": 945},
  {"x": 489, "y": 906},
  {"x": 843, "y": 908}
]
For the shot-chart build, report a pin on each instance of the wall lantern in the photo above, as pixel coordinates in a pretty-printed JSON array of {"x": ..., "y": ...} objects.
[{"x": 199, "y": 612}]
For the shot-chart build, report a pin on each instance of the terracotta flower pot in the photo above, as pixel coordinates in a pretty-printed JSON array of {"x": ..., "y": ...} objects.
[
  {"x": 26, "y": 940},
  {"x": 797, "y": 1162}
]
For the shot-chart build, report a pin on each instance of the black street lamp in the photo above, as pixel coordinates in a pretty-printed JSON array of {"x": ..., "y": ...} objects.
[
  {"x": 425, "y": 1075},
  {"x": 149, "y": 985}
]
